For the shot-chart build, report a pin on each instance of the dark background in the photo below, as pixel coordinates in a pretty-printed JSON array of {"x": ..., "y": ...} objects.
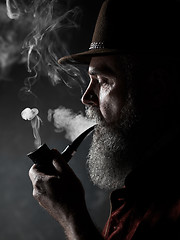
[{"x": 20, "y": 215}]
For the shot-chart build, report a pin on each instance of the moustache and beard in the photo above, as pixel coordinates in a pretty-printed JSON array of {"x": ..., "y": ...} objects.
[{"x": 109, "y": 159}]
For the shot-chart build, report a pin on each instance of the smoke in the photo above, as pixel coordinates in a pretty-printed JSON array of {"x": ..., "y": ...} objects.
[
  {"x": 32, "y": 115},
  {"x": 69, "y": 122},
  {"x": 35, "y": 123},
  {"x": 45, "y": 43},
  {"x": 12, "y": 35},
  {"x": 13, "y": 11}
]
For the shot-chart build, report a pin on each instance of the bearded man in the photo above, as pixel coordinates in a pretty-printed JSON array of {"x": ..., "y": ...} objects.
[{"x": 133, "y": 95}]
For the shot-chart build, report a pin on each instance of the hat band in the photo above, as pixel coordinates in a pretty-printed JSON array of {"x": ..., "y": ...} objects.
[{"x": 96, "y": 45}]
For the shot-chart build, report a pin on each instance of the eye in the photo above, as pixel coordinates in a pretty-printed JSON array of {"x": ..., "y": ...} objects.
[{"x": 103, "y": 80}]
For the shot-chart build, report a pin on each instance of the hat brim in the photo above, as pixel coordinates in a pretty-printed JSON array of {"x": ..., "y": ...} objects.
[{"x": 85, "y": 57}]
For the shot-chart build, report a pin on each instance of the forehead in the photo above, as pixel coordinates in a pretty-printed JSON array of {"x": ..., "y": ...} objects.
[{"x": 104, "y": 65}]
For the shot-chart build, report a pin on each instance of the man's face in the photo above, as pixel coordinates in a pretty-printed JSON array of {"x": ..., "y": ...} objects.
[
  {"x": 109, "y": 101},
  {"x": 107, "y": 88}
]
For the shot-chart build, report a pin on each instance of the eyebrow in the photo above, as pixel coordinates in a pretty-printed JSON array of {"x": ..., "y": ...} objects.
[{"x": 105, "y": 70}]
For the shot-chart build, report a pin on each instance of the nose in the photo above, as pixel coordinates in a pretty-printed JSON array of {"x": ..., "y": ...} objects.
[{"x": 90, "y": 97}]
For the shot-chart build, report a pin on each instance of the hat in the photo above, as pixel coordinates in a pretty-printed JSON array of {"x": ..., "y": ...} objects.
[{"x": 133, "y": 27}]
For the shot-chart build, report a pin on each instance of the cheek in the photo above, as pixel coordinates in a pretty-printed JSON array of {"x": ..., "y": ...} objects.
[{"x": 110, "y": 104}]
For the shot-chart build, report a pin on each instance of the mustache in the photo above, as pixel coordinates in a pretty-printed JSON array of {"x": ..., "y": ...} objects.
[{"x": 93, "y": 113}]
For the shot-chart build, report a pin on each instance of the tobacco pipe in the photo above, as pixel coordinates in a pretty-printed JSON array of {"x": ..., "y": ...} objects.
[{"x": 43, "y": 155}]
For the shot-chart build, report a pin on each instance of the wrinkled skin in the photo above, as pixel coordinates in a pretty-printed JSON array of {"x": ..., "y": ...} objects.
[
  {"x": 45, "y": 188},
  {"x": 107, "y": 88}
]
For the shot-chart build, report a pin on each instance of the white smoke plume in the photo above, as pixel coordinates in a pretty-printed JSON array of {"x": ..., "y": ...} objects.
[
  {"x": 43, "y": 46},
  {"x": 65, "y": 120},
  {"x": 13, "y": 11},
  {"x": 32, "y": 116},
  {"x": 12, "y": 35}
]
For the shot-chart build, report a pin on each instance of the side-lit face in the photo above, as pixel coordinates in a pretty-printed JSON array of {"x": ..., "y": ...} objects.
[
  {"x": 127, "y": 98},
  {"x": 112, "y": 105},
  {"x": 107, "y": 88}
]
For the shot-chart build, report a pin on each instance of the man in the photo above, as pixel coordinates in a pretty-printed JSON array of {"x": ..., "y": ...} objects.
[{"x": 133, "y": 94}]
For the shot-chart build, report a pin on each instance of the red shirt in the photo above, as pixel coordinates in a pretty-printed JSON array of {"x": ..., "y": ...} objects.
[{"x": 139, "y": 213}]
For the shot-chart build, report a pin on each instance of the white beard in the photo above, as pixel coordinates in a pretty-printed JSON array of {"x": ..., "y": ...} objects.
[{"x": 108, "y": 160}]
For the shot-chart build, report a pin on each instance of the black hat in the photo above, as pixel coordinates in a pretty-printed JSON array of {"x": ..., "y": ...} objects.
[{"x": 133, "y": 27}]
